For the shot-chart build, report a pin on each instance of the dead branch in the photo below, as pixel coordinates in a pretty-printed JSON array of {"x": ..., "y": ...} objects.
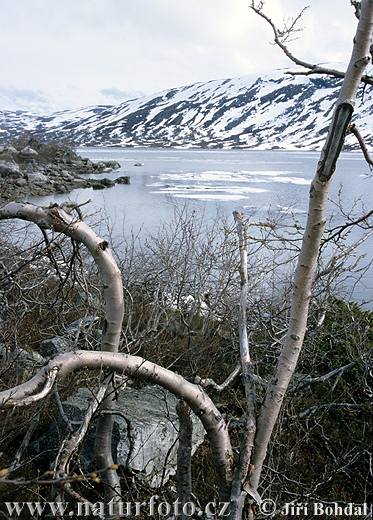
[
  {"x": 354, "y": 130},
  {"x": 313, "y": 409},
  {"x": 132, "y": 366},
  {"x": 26, "y": 441},
  {"x": 208, "y": 382},
  {"x": 184, "y": 455},
  {"x": 337, "y": 231},
  {"x": 71, "y": 444},
  {"x": 248, "y": 435},
  {"x": 282, "y": 35},
  {"x": 307, "y": 382}
]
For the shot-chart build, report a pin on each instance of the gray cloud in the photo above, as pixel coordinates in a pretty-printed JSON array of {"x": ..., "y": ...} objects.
[
  {"x": 71, "y": 51},
  {"x": 23, "y": 99}
]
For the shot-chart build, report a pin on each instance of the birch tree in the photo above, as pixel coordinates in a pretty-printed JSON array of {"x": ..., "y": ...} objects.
[
  {"x": 307, "y": 263},
  {"x": 239, "y": 481}
]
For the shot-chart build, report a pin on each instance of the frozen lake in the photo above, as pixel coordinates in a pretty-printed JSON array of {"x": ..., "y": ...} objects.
[
  {"x": 206, "y": 179},
  {"x": 218, "y": 180}
]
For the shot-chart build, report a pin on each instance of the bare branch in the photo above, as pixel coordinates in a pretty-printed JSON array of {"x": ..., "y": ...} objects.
[
  {"x": 281, "y": 36},
  {"x": 133, "y": 366},
  {"x": 71, "y": 444},
  {"x": 205, "y": 383},
  {"x": 26, "y": 441},
  {"x": 305, "y": 383},
  {"x": 184, "y": 455},
  {"x": 337, "y": 231},
  {"x": 247, "y": 438},
  {"x": 313, "y": 409},
  {"x": 354, "y": 130}
]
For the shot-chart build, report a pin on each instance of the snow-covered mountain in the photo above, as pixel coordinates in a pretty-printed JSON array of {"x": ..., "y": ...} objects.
[{"x": 272, "y": 112}]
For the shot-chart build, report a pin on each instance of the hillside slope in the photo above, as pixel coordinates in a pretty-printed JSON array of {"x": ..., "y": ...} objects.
[{"x": 284, "y": 111}]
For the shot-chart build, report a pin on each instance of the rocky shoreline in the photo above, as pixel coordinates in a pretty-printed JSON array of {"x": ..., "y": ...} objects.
[{"x": 32, "y": 168}]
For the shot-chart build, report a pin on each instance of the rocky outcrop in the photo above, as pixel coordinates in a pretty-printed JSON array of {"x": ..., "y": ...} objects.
[
  {"x": 123, "y": 180},
  {"x": 71, "y": 337},
  {"x": 23, "y": 362},
  {"x": 145, "y": 433},
  {"x": 40, "y": 169},
  {"x": 9, "y": 169},
  {"x": 147, "y": 438}
]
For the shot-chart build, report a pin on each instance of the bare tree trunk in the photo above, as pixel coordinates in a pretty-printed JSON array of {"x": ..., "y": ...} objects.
[
  {"x": 184, "y": 455},
  {"x": 57, "y": 219},
  {"x": 248, "y": 435},
  {"x": 307, "y": 262}
]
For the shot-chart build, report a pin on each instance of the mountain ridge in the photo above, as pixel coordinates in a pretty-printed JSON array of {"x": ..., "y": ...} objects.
[{"x": 288, "y": 112}]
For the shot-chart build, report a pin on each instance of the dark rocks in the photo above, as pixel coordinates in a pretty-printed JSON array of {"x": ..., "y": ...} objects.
[
  {"x": 64, "y": 343},
  {"x": 114, "y": 165},
  {"x": 100, "y": 184},
  {"x": 10, "y": 169},
  {"x": 108, "y": 182},
  {"x": 86, "y": 166},
  {"x": 25, "y": 362},
  {"x": 60, "y": 188},
  {"x": 123, "y": 180},
  {"x": 145, "y": 432},
  {"x": 35, "y": 168}
]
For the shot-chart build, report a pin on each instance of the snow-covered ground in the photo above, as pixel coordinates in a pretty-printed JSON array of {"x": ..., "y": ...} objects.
[{"x": 273, "y": 112}]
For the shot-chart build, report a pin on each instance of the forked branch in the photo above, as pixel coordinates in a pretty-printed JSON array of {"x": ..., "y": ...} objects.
[
  {"x": 282, "y": 36},
  {"x": 135, "y": 367}
]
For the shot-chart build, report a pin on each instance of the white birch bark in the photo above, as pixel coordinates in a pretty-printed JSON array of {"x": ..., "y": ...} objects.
[
  {"x": 57, "y": 219},
  {"x": 63, "y": 365},
  {"x": 242, "y": 469},
  {"x": 307, "y": 262}
]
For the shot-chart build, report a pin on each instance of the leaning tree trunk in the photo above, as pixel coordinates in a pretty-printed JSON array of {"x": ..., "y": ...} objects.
[
  {"x": 58, "y": 368},
  {"x": 57, "y": 219},
  {"x": 61, "y": 366},
  {"x": 307, "y": 261}
]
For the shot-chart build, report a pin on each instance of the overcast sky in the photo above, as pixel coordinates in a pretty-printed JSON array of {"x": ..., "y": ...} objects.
[{"x": 68, "y": 53}]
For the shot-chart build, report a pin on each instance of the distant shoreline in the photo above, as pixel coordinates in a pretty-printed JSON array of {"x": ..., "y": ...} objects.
[{"x": 205, "y": 149}]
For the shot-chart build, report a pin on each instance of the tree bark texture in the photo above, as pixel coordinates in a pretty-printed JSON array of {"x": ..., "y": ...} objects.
[{"x": 307, "y": 261}]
